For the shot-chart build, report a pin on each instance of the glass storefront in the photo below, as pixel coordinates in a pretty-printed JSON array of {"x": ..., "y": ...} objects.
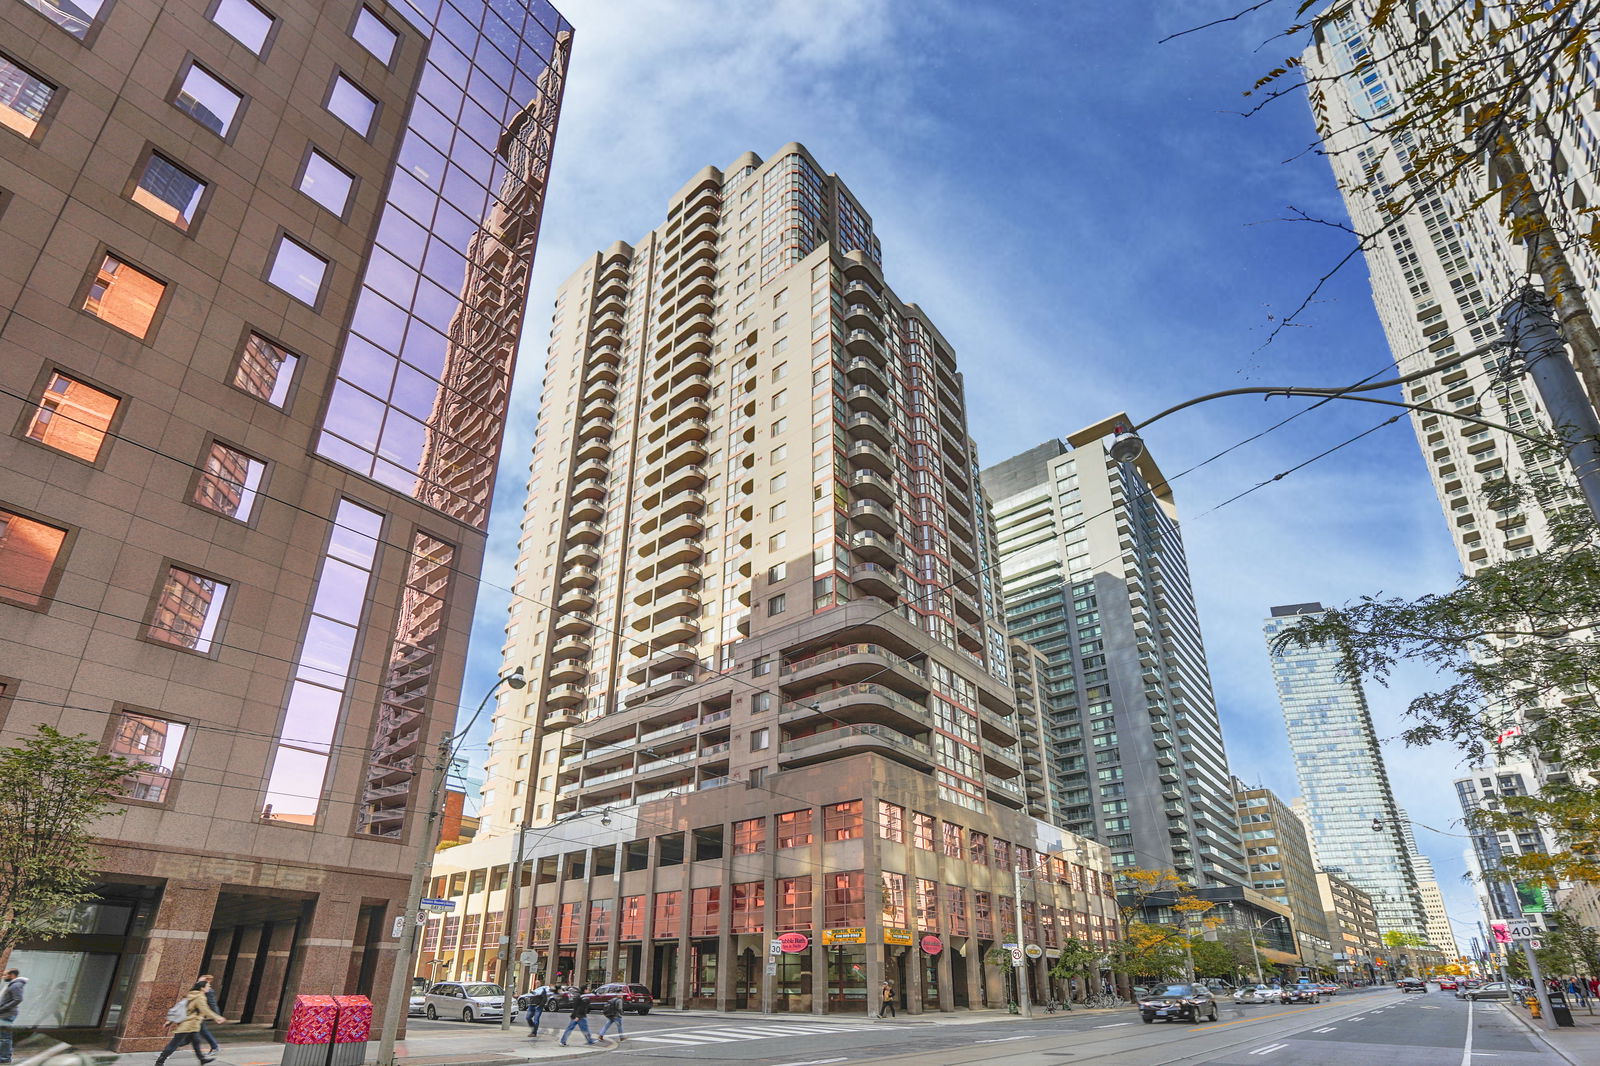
[
  {"x": 664, "y": 970},
  {"x": 81, "y": 980},
  {"x": 703, "y": 974},
  {"x": 847, "y": 978},
  {"x": 791, "y": 986}
]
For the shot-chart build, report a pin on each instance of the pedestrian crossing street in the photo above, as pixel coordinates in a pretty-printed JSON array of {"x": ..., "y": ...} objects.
[{"x": 732, "y": 1033}]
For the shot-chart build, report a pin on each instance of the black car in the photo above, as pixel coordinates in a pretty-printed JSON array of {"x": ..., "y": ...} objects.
[
  {"x": 1301, "y": 994},
  {"x": 1192, "y": 1003},
  {"x": 1411, "y": 984}
]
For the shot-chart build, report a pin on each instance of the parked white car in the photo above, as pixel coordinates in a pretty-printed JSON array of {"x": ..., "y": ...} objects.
[
  {"x": 468, "y": 1000},
  {"x": 1258, "y": 994}
]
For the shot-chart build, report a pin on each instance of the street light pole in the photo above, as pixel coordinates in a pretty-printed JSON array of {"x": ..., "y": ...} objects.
[
  {"x": 427, "y": 841},
  {"x": 1023, "y": 1003}
]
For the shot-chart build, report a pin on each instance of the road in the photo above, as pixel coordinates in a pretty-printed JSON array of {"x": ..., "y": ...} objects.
[{"x": 1382, "y": 1028}]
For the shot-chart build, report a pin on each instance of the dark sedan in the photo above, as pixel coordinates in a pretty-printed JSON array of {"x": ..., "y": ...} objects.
[{"x": 1176, "y": 1003}]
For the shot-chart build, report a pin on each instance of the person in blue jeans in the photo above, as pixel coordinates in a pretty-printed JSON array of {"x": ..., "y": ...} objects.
[
  {"x": 580, "y": 1018},
  {"x": 613, "y": 1012},
  {"x": 10, "y": 1004},
  {"x": 534, "y": 1002}
]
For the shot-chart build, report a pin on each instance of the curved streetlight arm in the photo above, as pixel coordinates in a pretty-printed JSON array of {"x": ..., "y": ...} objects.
[
  {"x": 1276, "y": 390},
  {"x": 1336, "y": 395}
]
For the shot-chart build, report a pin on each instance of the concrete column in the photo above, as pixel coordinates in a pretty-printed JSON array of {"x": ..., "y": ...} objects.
[
  {"x": 172, "y": 961},
  {"x": 910, "y": 991},
  {"x": 280, "y": 951},
  {"x": 947, "y": 992},
  {"x": 324, "y": 941},
  {"x": 974, "y": 968}
]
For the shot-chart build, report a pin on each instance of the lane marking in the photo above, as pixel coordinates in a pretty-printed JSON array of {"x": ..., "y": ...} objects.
[
  {"x": 1113, "y": 1025},
  {"x": 1466, "y": 1051},
  {"x": 1325, "y": 1029},
  {"x": 1269, "y": 1049},
  {"x": 811, "y": 1062},
  {"x": 1000, "y": 1040}
]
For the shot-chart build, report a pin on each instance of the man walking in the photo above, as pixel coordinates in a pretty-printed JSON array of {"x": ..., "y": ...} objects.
[
  {"x": 613, "y": 1012},
  {"x": 194, "y": 1010},
  {"x": 211, "y": 1003},
  {"x": 534, "y": 1002},
  {"x": 10, "y": 1004},
  {"x": 886, "y": 1000},
  {"x": 580, "y": 1017}
]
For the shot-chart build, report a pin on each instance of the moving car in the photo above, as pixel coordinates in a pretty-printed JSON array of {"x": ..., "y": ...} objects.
[
  {"x": 467, "y": 1000},
  {"x": 562, "y": 997},
  {"x": 1258, "y": 994},
  {"x": 1327, "y": 988},
  {"x": 1411, "y": 984},
  {"x": 1494, "y": 990},
  {"x": 1301, "y": 994},
  {"x": 1447, "y": 984},
  {"x": 1193, "y": 1003},
  {"x": 635, "y": 998},
  {"x": 419, "y": 996}
]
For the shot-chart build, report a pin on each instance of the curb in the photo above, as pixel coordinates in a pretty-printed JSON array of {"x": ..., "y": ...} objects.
[{"x": 1538, "y": 1033}]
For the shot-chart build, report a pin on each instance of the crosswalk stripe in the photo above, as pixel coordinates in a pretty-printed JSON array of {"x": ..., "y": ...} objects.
[{"x": 743, "y": 1032}]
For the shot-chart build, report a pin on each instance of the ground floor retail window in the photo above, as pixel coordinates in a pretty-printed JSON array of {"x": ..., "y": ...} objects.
[
  {"x": 791, "y": 985},
  {"x": 847, "y": 978},
  {"x": 66, "y": 989}
]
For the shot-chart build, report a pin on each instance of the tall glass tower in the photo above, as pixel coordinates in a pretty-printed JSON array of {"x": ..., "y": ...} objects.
[{"x": 1354, "y": 819}]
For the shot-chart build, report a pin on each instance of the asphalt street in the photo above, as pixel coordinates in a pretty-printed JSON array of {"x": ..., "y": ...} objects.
[{"x": 1375, "y": 1027}]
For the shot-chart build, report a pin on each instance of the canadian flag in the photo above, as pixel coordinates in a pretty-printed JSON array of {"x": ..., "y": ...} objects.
[{"x": 1508, "y": 733}]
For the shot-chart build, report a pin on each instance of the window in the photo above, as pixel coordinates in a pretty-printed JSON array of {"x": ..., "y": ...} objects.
[
  {"x": 631, "y": 927},
  {"x": 24, "y": 99},
  {"x": 779, "y": 426},
  {"x": 244, "y": 22},
  {"x": 668, "y": 914},
  {"x": 348, "y": 103},
  {"x": 124, "y": 296},
  {"x": 926, "y": 901},
  {"x": 187, "y": 610},
  {"x": 168, "y": 191},
  {"x": 373, "y": 34},
  {"x": 29, "y": 552},
  {"x": 229, "y": 481},
  {"x": 750, "y": 836},
  {"x": 777, "y": 604},
  {"x": 326, "y": 182},
  {"x": 780, "y": 453},
  {"x": 952, "y": 840},
  {"x": 208, "y": 100},
  {"x": 793, "y": 904},
  {"x": 778, "y": 482},
  {"x": 842, "y": 821},
  {"x": 265, "y": 370},
  {"x": 297, "y": 270},
  {"x": 705, "y": 911},
  {"x": 75, "y": 18},
  {"x": 600, "y": 920},
  {"x": 978, "y": 848},
  {"x": 746, "y": 903},
  {"x": 72, "y": 417},
  {"x": 893, "y": 888},
  {"x": 922, "y": 830},
  {"x": 760, "y": 739},
  {"x": 794, "y": 829},
  {"x": 153, "y": 743},
  {"x": 845, "y": 899},
  {"x": 892, "y": 822},
  {"x": 778, "y": 510}
]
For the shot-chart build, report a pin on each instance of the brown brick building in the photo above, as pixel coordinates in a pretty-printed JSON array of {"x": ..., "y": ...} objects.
[{"x": 259, "y": 304}]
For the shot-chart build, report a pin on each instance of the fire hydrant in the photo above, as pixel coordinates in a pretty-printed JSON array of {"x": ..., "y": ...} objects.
[{"x": 1532, "y": 1003}]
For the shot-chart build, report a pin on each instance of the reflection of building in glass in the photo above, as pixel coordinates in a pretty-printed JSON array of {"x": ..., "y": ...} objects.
[
  {"x": 1095, "y": 576},
  {"x": 1343, "y": 778},
  {"x": 754, "y": 606},
  {"x": 272, "y": 624}
]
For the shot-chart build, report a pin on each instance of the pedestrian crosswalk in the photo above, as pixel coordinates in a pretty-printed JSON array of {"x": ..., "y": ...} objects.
[{"x": 732, "y": 1033}]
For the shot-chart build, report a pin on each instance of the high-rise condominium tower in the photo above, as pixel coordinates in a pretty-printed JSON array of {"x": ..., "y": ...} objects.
[
  {"x": 754, "y": 606},
  {"x": 1440, "y": 934},
  {"x": 1096, "y": 578},
  {"x": 1354, "y": 820},
  {"x": 1441, "y": 273},
  {"x": 265, "y": 269}
]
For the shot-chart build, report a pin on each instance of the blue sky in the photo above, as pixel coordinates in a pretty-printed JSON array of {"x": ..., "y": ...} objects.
[{"x": 1081, "y": 213}]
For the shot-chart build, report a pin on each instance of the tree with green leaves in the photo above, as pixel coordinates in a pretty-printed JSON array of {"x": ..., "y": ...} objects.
[
  {"x": 1397, "y": 940},
  {"x": 1157, "y": 949},
  {"x": 1078, "y": 961},
  {"x": 53, "y": 789},
  {"x": 1569, "y": 947}
]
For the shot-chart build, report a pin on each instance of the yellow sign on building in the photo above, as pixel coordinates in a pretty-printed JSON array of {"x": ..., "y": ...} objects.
[
  {"x": 845, "y": 936},
  {"x": 897, "y": 936}
]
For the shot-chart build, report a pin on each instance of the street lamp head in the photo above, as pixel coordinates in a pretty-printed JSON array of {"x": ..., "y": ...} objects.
[
  {"x": 515, "y": 679},
  {"x": 1126, "y": 445}
]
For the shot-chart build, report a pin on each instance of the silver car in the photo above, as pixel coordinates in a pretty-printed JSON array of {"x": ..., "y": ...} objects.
[
  {"x": 1258, "y": 994},
  {"x": 467, "y": 1000}
]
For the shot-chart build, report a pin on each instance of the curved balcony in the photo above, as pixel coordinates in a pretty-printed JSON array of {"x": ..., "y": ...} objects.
[
  {"x": 585, "y": 533},
  {"x": 598, "y": 408},
  {"x": 875, "y": 546},
  {"x": 600, "y": 390},
  {"x": 678, "y": 551},
  {"x": 576, "y": 623},
  {"x": 870, "y": 427},
  {"x": 687, "y": 429},
  {"x": 688, "y": 502},
  {"x": 594, "y": 448},
  {"x": 578, "y": 577},
  {"x": 705, "y": 231},
  {"x": 873, "y": 516},
  {"x": 683, "y": 479},
  {"x": 562, "y": 696},
  {"x": 609, "y": 334},
  {"x": 602, "y": 355},
  {"x": 854, "y": 739},
  {"x": 698, "y": 252},
  {"x": 860, "y": 703},
  {"x": 613, "y": 285},
  {"x": 674, "y": 631},
  {"x": 589, "y": 488},
  {"x": 568, "y": 671},
  {"x": 587, "y": 509},
  {"x": 867, "y": 399},
  {"x": 876, "y": 580},
  {"x": 859, "y": 342},
  {"x": 690, "y": 359},
  {"x": 609, "y": 372},
  {"x": 864, "y": 455},
  {"x": 668, "y": 411},
  {"x": 698, "y": 270},
  {"x": 863, "y": 315},
  {"x": 576, "y": 600},
  {"x": 674, "y": 604},
  {"x": 694, "y": 386},
  {"x": 854, "y": 662},
  {"x": 868, "y": 485},
  {"x": 682, "y": 576},
  {"x": 685, "y": 453},
  {"x": 696, "y": 300},
  {"x": 701, "y": 211},
  {"x": 597, "y": 427},
  {"x": 609, "y": 314},
  {"x": 570, "y": 648},
  {"x": 867, "y": 372},
  {"x": 1033, "y": 774},
  {"x": 676, "y": 657},
  {"x": 581, "y": 556},
  {"x": 869, "y": 289},
  {"x": 967, "y": 608},
  {"x": 614, "y": 267}
]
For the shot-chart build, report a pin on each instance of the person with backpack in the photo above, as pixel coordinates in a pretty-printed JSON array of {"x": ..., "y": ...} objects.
[
  {"x": 613, "y": 1014},
  {"x": 10, "y": 1004},
  {"x": 211, "y": 1001},
  {"x": 534, "y": 1001},
  {"x": 186, "y": 1016},
  {"x": 580, "y": 1018}
]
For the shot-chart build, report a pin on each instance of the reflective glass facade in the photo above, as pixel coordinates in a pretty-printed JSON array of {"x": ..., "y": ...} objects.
[
  {"x": 425, "y": 371},
  {"x": 1341, "y": 773}
]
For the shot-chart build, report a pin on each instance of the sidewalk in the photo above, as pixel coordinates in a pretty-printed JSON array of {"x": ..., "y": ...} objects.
[
  {"x": 1579, "y": 1044},
  {"x": 487, "y": 1047}
]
